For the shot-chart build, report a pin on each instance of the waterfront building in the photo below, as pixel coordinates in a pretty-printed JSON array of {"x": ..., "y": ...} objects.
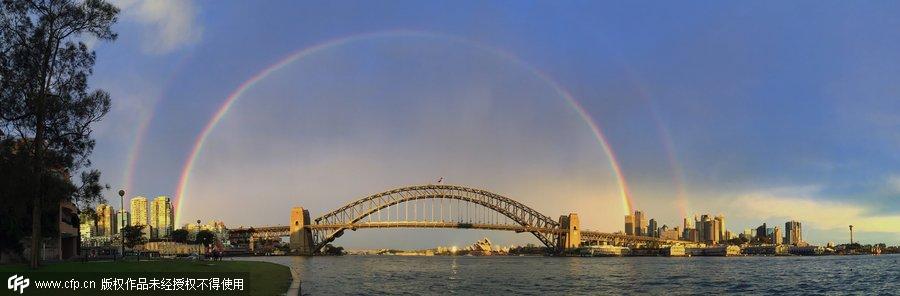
[
  {"x": 670, "y": 234},
  {"x": 793, "y": 233},
  {"x": 629, "y": 224},
  {"x": 106, "y": 220},
  {"x": 162, "y": 218},
  {"x": 714, "y": 251}
]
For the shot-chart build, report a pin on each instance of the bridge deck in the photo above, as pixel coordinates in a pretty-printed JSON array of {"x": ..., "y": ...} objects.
[{"x": 586, "y": 235}]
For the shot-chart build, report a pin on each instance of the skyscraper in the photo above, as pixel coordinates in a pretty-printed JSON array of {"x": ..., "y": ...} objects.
[
  {"x": 776, "y": 236},
  {"x": 652, "y": 230},
  {"x": 629, "y": 224},
  {"x": 161, "y": 217},
  {"x": 793, "y": 233},
  {"x": 703, "y": 226},
  {"x": 761, "y": 232},
  {"x": 720, "y": 224},
  {"x": 139, "y": 211},
  {"x": 106, "y": 220},
  {"x": 640, "y": 221}
]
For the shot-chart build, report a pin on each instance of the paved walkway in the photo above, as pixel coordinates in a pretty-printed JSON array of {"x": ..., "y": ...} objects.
[{"x": 294, "y": 289}]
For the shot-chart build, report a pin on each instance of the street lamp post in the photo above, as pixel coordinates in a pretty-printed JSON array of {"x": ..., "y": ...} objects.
[
  {"x": 197, "y": 237},
  {"x": 122, "y": 211}
]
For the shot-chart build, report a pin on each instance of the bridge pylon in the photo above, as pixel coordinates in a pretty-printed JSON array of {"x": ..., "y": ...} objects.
[
  {"x": 301, "y": 236},
  {"x": 571, "y": 236}
]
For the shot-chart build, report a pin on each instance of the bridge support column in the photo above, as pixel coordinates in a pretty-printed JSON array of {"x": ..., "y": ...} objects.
[
  {"x": 301, "y": 236},
  {"x": 571, "y": 239}
]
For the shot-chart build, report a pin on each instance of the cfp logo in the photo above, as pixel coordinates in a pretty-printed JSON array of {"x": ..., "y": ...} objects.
[{"x": 17, "y": 282}]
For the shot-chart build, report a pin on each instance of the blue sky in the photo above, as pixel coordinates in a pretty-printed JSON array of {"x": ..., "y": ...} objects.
[{"x": 764, "y": 111}]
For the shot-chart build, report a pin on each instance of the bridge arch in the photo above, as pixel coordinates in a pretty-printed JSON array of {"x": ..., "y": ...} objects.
[{"x": 330, "y": 226}]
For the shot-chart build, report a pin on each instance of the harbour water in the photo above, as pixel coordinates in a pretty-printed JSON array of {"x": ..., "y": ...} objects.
[{"x": 502, "y": 275}]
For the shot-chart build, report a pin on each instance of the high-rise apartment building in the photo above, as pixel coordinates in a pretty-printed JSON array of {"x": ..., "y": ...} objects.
[
  {"x": 793, "y": 233},
  {"x": 139, "y": 211},
  {"x": 106, "y": 220},
  {"x": 162, "y": 217}
]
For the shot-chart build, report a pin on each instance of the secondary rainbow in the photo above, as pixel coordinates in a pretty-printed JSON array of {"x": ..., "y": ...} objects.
[{"x": 184, "y": 179}]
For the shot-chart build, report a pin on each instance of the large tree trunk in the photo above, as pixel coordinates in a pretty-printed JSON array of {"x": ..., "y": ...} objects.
[{"x": 37, "y": 236}]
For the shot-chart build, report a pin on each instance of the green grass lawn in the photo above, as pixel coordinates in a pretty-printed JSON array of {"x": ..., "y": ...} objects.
[{"x": 265, "y": 278}]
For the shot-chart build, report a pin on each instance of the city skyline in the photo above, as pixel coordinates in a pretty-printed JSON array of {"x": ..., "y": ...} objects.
[{"x": 697, "y": 123}]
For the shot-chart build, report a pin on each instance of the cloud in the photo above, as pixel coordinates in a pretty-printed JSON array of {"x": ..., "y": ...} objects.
[
  {"x": 170, "y": 24},
  {"x": 799, "y": 203}
]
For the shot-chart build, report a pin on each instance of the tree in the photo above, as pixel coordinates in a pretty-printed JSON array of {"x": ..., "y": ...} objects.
[
  {"x": 206, "y": 237},
  {"x": 180, "y": 236},
  {"x": 134, "y": 235},
  {"x": 45, "y": 102}
]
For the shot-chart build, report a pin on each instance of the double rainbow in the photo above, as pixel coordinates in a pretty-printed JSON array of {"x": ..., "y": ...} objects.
[{"x": 184, "y": 180}]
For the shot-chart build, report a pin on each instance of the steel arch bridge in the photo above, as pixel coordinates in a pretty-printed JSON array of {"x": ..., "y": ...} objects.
[
  {"x": 435, "y": 206},
  {"x": 438, "y": 206}
]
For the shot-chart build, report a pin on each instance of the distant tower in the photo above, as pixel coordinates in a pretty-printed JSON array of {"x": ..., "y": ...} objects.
[
  {"x": 851, "y": 234},
  {"x": 629, "y": 224}
]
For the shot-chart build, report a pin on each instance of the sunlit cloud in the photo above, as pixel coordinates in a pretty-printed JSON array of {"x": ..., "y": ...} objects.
[
  {"x": 169, "y": 24},
  {"x": 799, "y": 203}
]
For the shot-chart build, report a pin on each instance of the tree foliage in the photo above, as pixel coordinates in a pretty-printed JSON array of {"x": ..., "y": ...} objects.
[
  {"x": 46, "y": 106},
  {"x": 134, "y": 235},
  {"x": 206, "y": 237},
  {"x": 180, "y": 236}
]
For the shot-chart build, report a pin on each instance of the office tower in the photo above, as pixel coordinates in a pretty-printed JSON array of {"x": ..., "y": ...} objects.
[
  {"x": 761, "y": 232},
  {"x": 687, "y": 224},
  {"x": 703, "y": 226},
  {"x": 640, "y": 221},
  {"x": 711, "y": 232},
  {"x": 629, "y": 224},
  {"x": 106, "y": 220},
  {"x": 139, "y": 211},
  {"x": 793, "y": 233},
  {"x": 652, "y": 229},
  {"x": 161, "y": 217},
  {"x": 776, "y": 236},
  {"x": 720, "y": 224}
]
